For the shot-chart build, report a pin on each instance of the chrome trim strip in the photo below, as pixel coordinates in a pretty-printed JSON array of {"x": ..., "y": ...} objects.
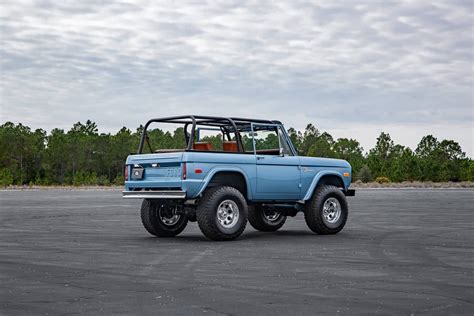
[{"x": 165, "y": 194}]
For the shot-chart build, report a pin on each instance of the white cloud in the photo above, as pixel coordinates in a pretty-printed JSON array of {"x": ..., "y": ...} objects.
[{"x": 373, "y": 63}]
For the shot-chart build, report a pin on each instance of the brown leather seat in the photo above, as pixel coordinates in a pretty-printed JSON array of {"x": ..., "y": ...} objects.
[
  {"x": 230, "y": 146},
  {"x": 205, "y": 146}
]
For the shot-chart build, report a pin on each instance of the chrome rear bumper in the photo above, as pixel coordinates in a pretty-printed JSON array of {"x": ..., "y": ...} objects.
[{"x": 164, "y": 194}]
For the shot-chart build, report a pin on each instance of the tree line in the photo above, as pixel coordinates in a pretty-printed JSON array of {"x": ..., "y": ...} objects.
[{"x": 83, "y": 156}]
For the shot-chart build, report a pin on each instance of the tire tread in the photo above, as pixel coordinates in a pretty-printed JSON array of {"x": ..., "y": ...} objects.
[
  {"x": 152, "y": 223},
  {"x": 312, "y": 213},
  {"x": 257, "y": 221},
  {"x": 206, "y": 213}
]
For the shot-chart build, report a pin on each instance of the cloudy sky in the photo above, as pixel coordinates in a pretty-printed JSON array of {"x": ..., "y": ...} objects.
[{"x": 351, "y": 68}]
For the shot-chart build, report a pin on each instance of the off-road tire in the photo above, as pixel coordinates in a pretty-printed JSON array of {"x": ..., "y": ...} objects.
[
  {"x": 207, "y": 213},
  {"x": 260, "y": 222},
  {"x": 313, "y": 213},
  {"x": 151, "y": 220}
]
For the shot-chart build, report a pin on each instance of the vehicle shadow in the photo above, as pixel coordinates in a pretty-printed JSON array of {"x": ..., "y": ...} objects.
[{"x": 246, "y": 236}]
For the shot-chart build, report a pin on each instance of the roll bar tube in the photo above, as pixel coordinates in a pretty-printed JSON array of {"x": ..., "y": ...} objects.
[{"x": 192, "y": 119}]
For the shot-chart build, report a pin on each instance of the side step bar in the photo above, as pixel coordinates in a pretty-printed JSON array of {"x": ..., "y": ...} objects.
[{"x": 164, "y": 194}]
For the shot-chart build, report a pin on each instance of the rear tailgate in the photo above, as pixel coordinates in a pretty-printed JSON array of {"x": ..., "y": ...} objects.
[{"x": 154, "y": 171}]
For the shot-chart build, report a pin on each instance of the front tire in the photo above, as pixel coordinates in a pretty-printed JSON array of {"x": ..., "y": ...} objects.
[
  {"x": 161, "y": 219},
  {"x": 265, "y": 218},
  {"x": 327, "y": 211},
  {"x": 222, "y": 213}
]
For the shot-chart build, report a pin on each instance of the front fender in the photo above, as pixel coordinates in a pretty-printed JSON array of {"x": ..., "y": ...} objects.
[
  {"x": 215, "y": 170},
  {"x": 316, "y": 179}
]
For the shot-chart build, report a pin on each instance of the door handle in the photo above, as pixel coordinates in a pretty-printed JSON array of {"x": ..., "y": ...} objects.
[{"x": 260, "y": 158}]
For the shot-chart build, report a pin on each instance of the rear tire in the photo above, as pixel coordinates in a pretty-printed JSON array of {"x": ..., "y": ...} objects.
[
  {"x": 160, "y": 219},
  {"x": 266, "y": 219},
  {"x": 327, "y": 211},
  {"x": 222, "y": 213}
]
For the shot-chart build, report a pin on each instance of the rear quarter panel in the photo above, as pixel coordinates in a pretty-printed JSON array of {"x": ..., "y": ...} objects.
[{"x": 211, "y": 163}]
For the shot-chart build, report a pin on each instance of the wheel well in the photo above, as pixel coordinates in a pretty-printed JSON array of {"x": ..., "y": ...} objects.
[
  {"x": 229, "y": 178},
  {"x": 331, "y": 180}
]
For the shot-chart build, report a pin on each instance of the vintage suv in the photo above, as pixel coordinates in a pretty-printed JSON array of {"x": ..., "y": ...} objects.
[{"x": 233, "y": 170}]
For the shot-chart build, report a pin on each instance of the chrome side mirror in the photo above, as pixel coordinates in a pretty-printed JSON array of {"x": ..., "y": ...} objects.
[{"x": 282, "y": 152}]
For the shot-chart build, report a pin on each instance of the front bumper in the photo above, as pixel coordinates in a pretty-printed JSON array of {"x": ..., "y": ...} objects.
[{"x": 156, "y": 194}]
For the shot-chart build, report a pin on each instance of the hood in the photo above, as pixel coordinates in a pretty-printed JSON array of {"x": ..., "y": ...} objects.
[{"x": 324, "y": 162}]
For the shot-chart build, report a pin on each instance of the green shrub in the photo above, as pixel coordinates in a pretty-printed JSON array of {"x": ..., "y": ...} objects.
[
  {"x": 469, "y": 171},
  {"x": 103, "y": 180},
  {"x": 85, "y": 178},
  {"x": 382, "y": 180},
  {"x": 119, "y": 180},
  {"x": 6, "y": 177},
  {"x": 364, "y": 174},
  {"x": 41, "y": 180}
]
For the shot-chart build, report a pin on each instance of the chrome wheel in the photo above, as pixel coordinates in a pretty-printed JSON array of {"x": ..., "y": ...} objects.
[
  {"x": 331, "y": 210},
  {"x": 271, "y": 215},
  {"x": 169, "y": 218},
  {"x": 228, "y": 214}
]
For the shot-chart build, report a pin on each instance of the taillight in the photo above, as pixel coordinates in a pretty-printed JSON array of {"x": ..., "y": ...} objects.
[
  {"x": 184, "y": 171},
  {"x": 125, "y": 173}
]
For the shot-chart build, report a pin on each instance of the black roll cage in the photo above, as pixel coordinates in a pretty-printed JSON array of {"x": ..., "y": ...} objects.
[{"x": 214, "y": 121}]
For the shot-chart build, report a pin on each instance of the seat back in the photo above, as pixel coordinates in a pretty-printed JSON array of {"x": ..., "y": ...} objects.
[
  {"x": 202, "y": 146},
  {"x": 230, "y": 146}
]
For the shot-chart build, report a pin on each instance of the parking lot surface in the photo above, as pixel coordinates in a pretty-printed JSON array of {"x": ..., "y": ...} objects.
[{"x": 403, "y": 251}]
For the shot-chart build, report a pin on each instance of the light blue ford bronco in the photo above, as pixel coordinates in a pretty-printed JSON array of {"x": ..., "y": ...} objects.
[{"x": 234, "y": 170}]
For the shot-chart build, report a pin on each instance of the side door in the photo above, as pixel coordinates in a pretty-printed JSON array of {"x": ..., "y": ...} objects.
[{"x": 278, "y": 170}]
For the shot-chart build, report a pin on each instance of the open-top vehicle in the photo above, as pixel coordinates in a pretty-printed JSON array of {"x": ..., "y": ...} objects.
[{"x": 230, "y": 171}]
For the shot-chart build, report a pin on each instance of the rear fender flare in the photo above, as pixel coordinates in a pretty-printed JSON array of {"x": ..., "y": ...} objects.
[{"x": 215, "y": 170}]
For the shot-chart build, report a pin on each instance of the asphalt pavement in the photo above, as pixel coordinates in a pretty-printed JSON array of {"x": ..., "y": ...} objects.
[{"x": 402, "y": 252}]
